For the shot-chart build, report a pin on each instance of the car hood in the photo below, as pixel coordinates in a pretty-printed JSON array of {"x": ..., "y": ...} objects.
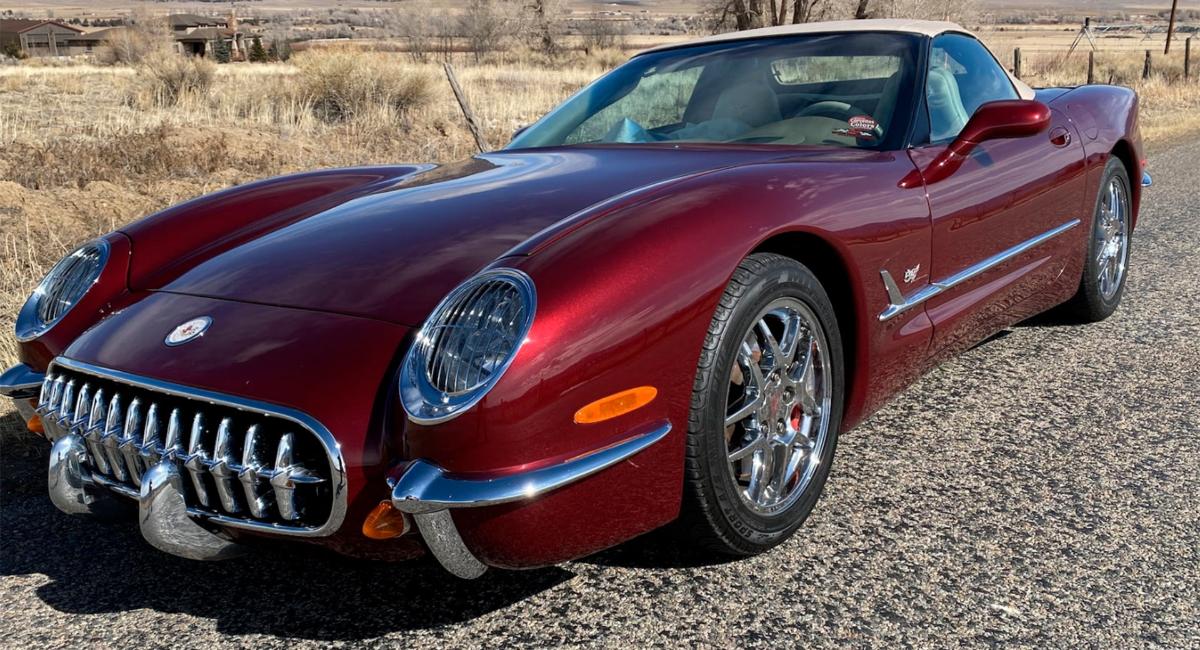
[{"x": 395, "y": 253}]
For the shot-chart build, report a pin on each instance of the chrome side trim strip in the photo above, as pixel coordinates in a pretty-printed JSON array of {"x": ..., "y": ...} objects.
[
  {"x": 900, "y": 304},
  {"x": 21, "y": 382},
  {"x": 425, "y": 487},
  {"x": 332, "y": 449},
  {"x": 1146, "y": 180}
]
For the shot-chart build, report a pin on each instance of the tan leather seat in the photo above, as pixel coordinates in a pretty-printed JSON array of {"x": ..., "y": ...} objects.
[
  {"x": 887, "y": 100},
  {"x": 947, "y": 117},
  {"x": 751, "y": 102}
]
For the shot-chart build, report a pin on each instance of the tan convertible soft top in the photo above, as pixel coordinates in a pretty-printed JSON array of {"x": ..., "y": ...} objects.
[{"x": 929, "y": 28}]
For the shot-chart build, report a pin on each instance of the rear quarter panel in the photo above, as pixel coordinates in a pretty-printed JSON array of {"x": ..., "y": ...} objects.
[{"x": 1107, "y": 119}]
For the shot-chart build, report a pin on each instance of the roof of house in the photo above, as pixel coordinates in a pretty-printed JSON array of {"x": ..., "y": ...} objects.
[
  {"x": 206, "y": 34},
  {"x": 17, "y": 25},
  {"x": 194, "y": 20},
  {"x": 929, "y": 28},
  {"x": 98, "y": 35},
  {"x": 21, "y": 25}
]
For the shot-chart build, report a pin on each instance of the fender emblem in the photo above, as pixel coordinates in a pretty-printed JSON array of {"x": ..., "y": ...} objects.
[
  {"x": 188, "y": 331},
  {"x": 911, "y": 274}
]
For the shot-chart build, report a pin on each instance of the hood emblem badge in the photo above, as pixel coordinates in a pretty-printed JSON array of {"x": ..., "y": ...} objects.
[{"x": 188, "y": 331}]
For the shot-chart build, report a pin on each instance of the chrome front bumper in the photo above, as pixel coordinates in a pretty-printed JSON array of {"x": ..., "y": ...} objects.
[
  {"x": 428, "y": 493},
  {"x": 102, "y": 448},
  {"x": 21, "y": 382}
]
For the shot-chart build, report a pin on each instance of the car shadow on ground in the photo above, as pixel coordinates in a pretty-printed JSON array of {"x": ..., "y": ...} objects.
[{"x": 301, "y": 592}]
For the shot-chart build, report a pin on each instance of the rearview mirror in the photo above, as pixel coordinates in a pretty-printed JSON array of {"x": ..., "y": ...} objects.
[{"x": 1007, "y": 118}]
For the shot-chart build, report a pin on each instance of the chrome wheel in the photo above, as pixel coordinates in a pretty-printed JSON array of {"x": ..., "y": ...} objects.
[
  {"x": 1112, "y": 238},
  {"x": 778, "y": 407}
]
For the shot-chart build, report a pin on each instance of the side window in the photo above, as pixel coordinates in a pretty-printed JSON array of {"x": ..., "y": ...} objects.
[{"x": 963, "y": 76}]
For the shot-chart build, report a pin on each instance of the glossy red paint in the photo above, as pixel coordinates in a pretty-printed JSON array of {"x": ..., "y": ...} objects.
[
  {"x": 422, "y": 236},
  {"x": 314, "y": 281},
  {"x": 1005, "y": 191}
]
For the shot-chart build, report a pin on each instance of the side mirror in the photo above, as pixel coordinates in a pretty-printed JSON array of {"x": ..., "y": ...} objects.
[{"x": 1007, "y": 118}]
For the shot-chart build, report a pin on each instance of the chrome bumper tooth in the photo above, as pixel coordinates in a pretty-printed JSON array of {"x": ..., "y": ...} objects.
[{"x": 111, "y": 437}]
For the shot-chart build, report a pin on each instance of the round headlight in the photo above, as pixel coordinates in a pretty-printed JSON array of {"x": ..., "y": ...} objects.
[
  {"x": 62, "y": 287},
  {"x": 466, "y": 345}
]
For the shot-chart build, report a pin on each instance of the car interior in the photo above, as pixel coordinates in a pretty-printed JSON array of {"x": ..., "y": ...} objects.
[{"x": 832, "y": 90}]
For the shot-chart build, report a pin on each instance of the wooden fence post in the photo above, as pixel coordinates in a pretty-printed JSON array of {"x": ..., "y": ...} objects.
[
  {"x": 472, "y": 124},
  {"x": 1146, "y": 67},
  {"x": 1017, "y": 62},
  {"x": 1092, "y": 67},
  {"x": 1187, "y": 58}
]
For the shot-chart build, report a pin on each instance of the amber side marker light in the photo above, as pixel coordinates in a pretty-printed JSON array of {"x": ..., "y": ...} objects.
[
  {"x": 607, "y": 408},
  {"x": 35, "y": 425},
  {"x": 385, "y": 522}
]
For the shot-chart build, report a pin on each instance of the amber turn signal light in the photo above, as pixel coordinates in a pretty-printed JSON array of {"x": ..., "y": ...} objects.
[
  {"x": 385, "y": 522},
  {"x": 35, "y": 425},
  {"x": 607, "y": 408}
]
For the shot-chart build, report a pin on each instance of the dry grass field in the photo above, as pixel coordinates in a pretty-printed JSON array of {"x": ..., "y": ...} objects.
[{"x": 86, "y": 148}]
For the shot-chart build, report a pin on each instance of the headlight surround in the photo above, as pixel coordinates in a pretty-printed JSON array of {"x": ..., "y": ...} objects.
[
  {"x": 62, "y": 288},
  {"x": 466, "y": 344}
]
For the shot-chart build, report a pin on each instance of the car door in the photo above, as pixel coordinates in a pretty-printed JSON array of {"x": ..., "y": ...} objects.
[{"x": 1004, "y": 223}]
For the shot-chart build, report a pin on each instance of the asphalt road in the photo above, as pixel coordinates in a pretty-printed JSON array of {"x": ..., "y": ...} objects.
[{"x": 1043, "y": 489}]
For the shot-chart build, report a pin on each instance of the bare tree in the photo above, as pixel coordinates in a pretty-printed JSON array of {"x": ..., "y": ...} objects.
[
  {"x": 748, "y": 14},
  {"x": 598, "y": 33},
  {"x": 482, "y": 25},
  {"x": 545, "y": 27},
  {"x": 806, "y": 11}
]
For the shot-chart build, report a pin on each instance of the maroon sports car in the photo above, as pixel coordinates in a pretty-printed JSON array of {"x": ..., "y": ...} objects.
[{"x": 660, "y": 303}]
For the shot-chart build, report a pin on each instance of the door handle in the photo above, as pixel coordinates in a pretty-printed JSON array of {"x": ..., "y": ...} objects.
[{"x": 1060, "y": 136}]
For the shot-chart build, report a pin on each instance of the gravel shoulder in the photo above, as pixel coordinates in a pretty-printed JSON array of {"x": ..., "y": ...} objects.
[{"x": 1042, "y": 489}]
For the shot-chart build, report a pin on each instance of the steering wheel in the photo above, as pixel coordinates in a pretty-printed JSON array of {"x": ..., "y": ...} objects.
[{"x": 832, "y": 109}]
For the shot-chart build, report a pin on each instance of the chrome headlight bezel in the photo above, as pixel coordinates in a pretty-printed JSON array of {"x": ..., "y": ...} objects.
[
  {"x": 428, "y": 404},
  {"x": 31, "y": 323}
]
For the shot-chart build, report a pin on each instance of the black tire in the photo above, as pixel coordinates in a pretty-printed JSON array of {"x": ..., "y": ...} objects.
[
  {"x": 715, "y": 515},
  {"x": 1090, "y": 304}
]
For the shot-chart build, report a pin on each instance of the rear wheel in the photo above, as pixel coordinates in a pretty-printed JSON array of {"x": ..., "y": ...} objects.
[
  {"x": 1104, "y": 270},
  {"x": 766, "y": 409}
]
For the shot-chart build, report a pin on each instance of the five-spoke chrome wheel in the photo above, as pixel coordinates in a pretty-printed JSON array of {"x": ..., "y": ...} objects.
[
  {"x": 1112, "y": 237},
  {"x": 778, "y": 406}
]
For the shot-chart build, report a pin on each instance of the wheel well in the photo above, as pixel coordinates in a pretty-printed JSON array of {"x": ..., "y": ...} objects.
[
  {"x": 824, "y": 261},
  {"x": 1124, "y": 152}
]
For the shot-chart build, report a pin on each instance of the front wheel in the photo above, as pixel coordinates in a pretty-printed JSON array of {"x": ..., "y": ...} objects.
[
  {"x": 1107, "y": 262},
  {"x": 766, "y": 409}
]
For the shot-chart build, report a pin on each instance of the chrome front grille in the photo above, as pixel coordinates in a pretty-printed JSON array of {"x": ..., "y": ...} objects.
[{"x": 245, "y": 464}]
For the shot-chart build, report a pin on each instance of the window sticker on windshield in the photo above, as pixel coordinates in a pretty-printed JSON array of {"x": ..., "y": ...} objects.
[{"x": 861, "y": 126}]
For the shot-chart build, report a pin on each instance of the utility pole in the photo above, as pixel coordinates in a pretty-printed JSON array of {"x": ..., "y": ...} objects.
[{"x": 1171, "y": 26}]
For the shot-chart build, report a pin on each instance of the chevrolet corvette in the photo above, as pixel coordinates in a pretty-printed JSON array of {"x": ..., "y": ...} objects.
[{"x": 659, "y": 304}]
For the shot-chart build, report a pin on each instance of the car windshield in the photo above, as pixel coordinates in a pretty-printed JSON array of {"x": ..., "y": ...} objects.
[{"x": 852, "y": 90}]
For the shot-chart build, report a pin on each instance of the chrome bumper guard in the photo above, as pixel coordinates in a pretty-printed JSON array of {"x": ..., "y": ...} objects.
[
  {"x": 428, "y": 493},
  {"x": 162, "y": 513}
]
